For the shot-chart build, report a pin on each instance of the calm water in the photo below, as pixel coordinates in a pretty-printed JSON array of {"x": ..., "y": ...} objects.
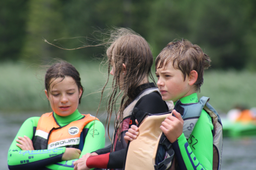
[{"x": 237, "y": 153}]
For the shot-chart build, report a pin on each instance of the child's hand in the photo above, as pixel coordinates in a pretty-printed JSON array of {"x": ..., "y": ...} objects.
[
  {"x": 172, "y": 126},
  {"x": 71, "y": 153},
  {"x": 131, "y": 134},
  {"x": 25, "y": 143},
  {"x": 80, "y": 164},
  {"x": 93, "y": 154}
]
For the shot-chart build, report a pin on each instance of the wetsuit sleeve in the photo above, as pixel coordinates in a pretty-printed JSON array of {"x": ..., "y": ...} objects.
[
  {"x": 109, "y": 160},
  {"x": 151, "y": 103},
  {"x": 106, "y": 159},
  {"x": 197, "y": 152},
  {"x": 104, "y": 150},
  {"x": 95, "y": 138},
  {"x": 31, "y": 159}
]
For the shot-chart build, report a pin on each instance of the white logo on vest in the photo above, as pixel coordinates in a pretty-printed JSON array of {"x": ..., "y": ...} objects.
[{"x": 73, "y": 130}]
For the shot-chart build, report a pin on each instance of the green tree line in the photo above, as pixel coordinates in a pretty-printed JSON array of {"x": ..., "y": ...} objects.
[{"x": 226, "y": 30}]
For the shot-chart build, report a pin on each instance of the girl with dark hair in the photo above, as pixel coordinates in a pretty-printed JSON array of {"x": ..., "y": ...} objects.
[{"x": 56, "y": 139}]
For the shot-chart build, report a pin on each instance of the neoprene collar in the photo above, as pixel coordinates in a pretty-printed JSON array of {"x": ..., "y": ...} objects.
[
  {"x": 189, "y": 99},
  {"x": 64, "y": 120},
  {"x": 142, "y": 87}
]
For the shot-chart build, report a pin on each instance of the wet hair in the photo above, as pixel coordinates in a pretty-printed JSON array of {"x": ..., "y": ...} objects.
[
  {"x": 186, "y": 57},
  {"x": 61, "y": 69},
  {"x": 129, "y": 48}
]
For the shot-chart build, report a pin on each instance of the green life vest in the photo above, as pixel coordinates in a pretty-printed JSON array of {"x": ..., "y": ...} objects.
[{"x": 190, "y": 114}]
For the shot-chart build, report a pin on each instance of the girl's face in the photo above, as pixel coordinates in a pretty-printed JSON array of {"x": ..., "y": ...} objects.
[
  {"x": 63, "y": 95},
  {"x": 171, "y": 83}
]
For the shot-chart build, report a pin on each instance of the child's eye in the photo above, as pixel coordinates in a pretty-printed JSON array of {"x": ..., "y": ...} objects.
[
  {"x": 55, "y": 94},
  {"x": 70, "y": 92}
]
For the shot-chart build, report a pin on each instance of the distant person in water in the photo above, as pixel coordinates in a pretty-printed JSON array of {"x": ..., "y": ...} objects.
[{"x": 241, "y": 113}]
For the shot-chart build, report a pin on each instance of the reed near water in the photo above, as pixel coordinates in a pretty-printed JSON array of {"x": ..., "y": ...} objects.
[{"x": 22, "y": 87}]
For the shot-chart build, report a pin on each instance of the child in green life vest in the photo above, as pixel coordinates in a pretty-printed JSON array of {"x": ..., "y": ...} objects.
[
  {"x": 179, "y": 69},
  {"x": 61, "y": 136}
]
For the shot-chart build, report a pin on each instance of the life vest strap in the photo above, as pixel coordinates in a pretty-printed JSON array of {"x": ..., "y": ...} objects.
[
  {"x": 164, "y": 164},
  {"x": 164, "y": 144}
]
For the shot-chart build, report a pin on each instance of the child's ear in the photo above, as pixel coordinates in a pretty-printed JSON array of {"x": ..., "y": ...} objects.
[
  {"x": 45, "y": 91},
  {"x": 192, "y": 78},
  {"x": 80, "y": 92}
]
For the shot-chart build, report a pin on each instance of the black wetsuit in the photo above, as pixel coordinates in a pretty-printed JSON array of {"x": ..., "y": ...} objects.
[{"x": 150, "y": 103}]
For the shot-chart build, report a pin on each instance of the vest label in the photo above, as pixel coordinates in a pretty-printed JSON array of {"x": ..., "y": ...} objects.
[{"x": 64, "y": 142}]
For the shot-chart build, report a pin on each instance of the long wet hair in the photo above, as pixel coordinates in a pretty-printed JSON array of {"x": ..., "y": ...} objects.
[
  {"x": 129, "y": 48},
  {"x": 186, "y": 57},
  {"x": 61, "y": 69}
]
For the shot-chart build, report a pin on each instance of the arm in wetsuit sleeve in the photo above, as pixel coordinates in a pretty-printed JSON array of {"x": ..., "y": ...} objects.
[
  {"x": 31, "y": 159},
  {"x": 51, "y": 158},
  {"x": 95, "y": 139},
  {"x": 107, "y": 149},
  {"x": 109, "y": 160},
  {"x": 197, "y": 152}
]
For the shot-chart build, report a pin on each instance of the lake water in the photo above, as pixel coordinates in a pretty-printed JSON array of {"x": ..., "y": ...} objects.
[{"x": 237, "y": 153}]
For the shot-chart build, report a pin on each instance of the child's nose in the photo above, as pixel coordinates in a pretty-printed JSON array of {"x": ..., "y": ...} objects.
[
  {"x": 64, "y": 99},
  {"x": 159, "y": 82}
]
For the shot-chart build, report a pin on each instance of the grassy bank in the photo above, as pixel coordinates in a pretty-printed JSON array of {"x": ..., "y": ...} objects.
[
  {"x": 229, "y": 88},
  {"x": 22, "y": 87}
]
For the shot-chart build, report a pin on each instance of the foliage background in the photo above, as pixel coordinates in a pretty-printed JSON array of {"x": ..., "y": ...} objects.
[
  {"x": 226, "y": 31},
  {"x": 23, "y": 88}
]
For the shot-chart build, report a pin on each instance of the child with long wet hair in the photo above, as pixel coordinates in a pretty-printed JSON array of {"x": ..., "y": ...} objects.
[{"x": 129, "y": 62}]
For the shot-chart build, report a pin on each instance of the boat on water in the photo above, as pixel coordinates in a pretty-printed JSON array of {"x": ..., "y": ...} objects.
[
  {"x": 238, "y": 129},
  {"x": 239, "y": 122}
]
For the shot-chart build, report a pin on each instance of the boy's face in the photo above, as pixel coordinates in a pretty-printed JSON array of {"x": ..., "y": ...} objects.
[{"x": 171, "y": 83}]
